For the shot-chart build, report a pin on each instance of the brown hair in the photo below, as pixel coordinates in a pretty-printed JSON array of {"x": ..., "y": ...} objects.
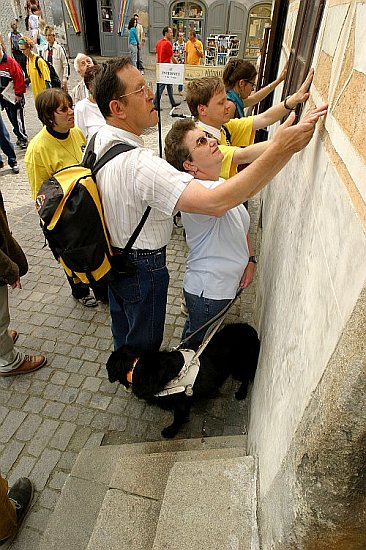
[
  {"x": 176, "y": 152},
  {"x": 48, "y": 101},
  {"x": 27, "y": 42},
  {"x": 238, "y": 69},
  {"x": 89, "y": 77},
  {"x": 108, "y": 85},
  {"x": 201, "y": 91}
]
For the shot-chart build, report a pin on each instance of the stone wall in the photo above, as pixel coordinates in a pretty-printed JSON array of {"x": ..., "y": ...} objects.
[{"x": 306, "y": 414}]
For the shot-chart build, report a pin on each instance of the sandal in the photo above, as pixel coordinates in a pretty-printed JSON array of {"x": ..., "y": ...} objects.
[{"x": 88, "y": 301}]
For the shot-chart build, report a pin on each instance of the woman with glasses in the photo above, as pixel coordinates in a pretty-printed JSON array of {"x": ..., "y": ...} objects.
[
  {"x": 219, "y": 259},
  {"x": 59, "y": 144},
  {"x": 239, "y": 78}
]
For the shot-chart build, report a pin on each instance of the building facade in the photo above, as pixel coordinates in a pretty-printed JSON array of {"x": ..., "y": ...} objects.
[{"x": 308, "y": 413}]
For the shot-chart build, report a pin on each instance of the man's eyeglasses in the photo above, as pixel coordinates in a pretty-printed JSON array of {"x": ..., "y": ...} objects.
[
  {"x": 145, "y": 90},
  {"x": 202, "y": 141},
  {"x": 253, "y": 84}
]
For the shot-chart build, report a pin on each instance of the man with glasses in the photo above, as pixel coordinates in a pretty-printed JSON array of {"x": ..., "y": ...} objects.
[
  {"x": 207, "y": 101},
  {"x": 138, "y": 178},
  {"x": 54, "y": 53}
]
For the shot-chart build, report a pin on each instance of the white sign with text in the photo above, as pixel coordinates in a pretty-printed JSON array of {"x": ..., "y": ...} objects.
[{"x": 170, "y": 73}]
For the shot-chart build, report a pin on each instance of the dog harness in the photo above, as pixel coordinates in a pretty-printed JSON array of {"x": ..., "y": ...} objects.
[{"x": 186, "y": 378}]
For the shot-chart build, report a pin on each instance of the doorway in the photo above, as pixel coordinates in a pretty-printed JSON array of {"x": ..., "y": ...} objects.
[{"x": 91, "y": 26}]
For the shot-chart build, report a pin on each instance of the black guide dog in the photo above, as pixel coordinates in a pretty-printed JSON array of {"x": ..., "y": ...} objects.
[{"x": 233, "y": 350}]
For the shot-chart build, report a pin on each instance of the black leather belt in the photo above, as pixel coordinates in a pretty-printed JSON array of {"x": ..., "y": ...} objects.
[{"x": 138, "y": 252}]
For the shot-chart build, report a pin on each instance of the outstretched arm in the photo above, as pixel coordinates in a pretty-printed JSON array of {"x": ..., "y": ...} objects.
[
  {"x": 287, "y": 141},
  {"x": 278, "y": 111},
  {"x": 255, "y": 98}
]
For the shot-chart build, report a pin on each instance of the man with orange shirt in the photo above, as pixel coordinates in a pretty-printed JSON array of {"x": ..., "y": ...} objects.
[
  {"x": 164, "y": 54},
  {"x": 194, "y": 49}
]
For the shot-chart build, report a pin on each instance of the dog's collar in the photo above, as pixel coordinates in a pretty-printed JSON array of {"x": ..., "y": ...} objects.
[
  {"x": 130, "y": 372},
  {"x": 186, "y": 378}
]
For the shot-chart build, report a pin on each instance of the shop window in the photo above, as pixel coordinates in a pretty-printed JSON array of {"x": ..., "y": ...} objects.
[
  {"x": 259, "y": 18},
  {"x": 303, "y": 43},
  {"x": 187, "y": 16},
  {"x": 106, "y": 10}
]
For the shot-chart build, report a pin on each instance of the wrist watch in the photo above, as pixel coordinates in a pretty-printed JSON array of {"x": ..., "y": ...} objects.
[{"x": 253, "y": 259}]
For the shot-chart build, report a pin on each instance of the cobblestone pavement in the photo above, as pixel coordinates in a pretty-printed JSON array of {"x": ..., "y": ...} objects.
[{"x": 47, "y": 417}]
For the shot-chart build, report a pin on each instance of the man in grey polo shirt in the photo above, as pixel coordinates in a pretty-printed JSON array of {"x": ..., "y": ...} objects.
[{"x": 138, "y": 178}]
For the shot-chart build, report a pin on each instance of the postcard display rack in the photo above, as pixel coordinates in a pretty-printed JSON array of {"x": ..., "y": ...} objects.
[{"x": 220, "y": 47}]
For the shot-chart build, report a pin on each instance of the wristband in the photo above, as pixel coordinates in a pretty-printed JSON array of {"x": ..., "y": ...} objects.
[{"x": 286, "y": 106}]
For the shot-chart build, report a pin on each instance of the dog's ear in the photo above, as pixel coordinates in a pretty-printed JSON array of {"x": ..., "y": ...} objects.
[{"x": 120, "y": 363}]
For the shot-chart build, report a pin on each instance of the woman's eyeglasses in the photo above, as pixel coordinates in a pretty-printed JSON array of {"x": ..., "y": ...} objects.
[
  {"x": 253, "y": 84},
  {"x": 202, "y": 141}
]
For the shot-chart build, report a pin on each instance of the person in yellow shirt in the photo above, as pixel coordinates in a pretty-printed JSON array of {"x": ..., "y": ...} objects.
[
  {"x": 59, "y": 144},
  {"x": 194, "y": 49},
  {"x": 39, "y": 79},
  {"x": 207, "y": 101}
]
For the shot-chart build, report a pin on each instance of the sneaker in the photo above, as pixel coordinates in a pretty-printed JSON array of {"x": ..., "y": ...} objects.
[
  {"x": 23, "y": 144},
  {"x": 88, "y": 301},
  {"x": 13, "y": 335},
  {"x": 142, "y": 71},
  {"x": 21, "y": 493},
  {"x": 30, "y": 364},
  {"x": 15, "y": 168}
]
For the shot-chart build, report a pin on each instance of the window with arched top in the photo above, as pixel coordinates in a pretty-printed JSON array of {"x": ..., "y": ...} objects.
[
  {"x": 259, "y": 17},
  {"x": 186, "y": 16}
]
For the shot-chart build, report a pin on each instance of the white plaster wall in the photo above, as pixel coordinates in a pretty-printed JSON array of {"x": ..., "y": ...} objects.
[
  {"x": 312, "y": 264},
  {"x": 311, "y": 271}
]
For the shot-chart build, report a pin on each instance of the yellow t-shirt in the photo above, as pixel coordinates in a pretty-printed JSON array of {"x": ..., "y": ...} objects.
[
  {"x": 38, "y": 82},
  {"x": 46, "y": 155},
  {"x": 192, "y": 56},
  {"x": 241, "y": 135}
]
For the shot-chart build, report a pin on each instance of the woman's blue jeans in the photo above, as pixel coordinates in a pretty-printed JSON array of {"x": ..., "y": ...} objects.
[
  {"x": 137, "y": 304},
  {"x": 133, "y": 52},
  {"x": 200, "y": 310}
]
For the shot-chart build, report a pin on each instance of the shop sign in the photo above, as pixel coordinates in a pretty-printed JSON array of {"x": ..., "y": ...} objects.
[
  {"x": 192, "y": 72},
  {"x": 169, "y": 73}
]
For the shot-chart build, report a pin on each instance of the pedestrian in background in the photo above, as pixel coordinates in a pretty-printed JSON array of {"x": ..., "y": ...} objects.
[
  {"x": 179, "y": 53},
  {"x": 133, "y": 40},
  {"x": 141, "y": 37},
  {"x": 12, "y": 75},
  {"x": 7, "y": 148},
  {"x": 194, "y": 49},
  {"x": 164, "y": 54},
  {"x": 54, "y": 53},
  {"x": 81, "y": 63},
  {"x": 14, "y": 36},
  {"x": 40, "y": 78}
]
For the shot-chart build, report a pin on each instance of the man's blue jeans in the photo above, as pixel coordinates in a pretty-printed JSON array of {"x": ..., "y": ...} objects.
[
  {"x": 200, "y": 310},
  {"x": 137, "y": 304},
  {"x": 159, "y": 93}
]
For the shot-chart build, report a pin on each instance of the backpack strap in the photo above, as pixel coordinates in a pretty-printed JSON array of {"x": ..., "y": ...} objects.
[
  {"x": 37, "y": 66},
  {"x": 227, "y": 134},
  {"x": 117, "y": 149}
]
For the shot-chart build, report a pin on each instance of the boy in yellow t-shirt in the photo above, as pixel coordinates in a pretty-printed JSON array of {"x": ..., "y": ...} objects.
[{"x": 206, "y": 99}]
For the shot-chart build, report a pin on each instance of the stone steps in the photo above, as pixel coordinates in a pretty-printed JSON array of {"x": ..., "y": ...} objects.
[{"x": 136, "y": 496}]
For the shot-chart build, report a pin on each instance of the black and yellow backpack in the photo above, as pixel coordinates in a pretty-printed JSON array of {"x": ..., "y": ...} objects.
[{"x": 72, "y": 221}]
